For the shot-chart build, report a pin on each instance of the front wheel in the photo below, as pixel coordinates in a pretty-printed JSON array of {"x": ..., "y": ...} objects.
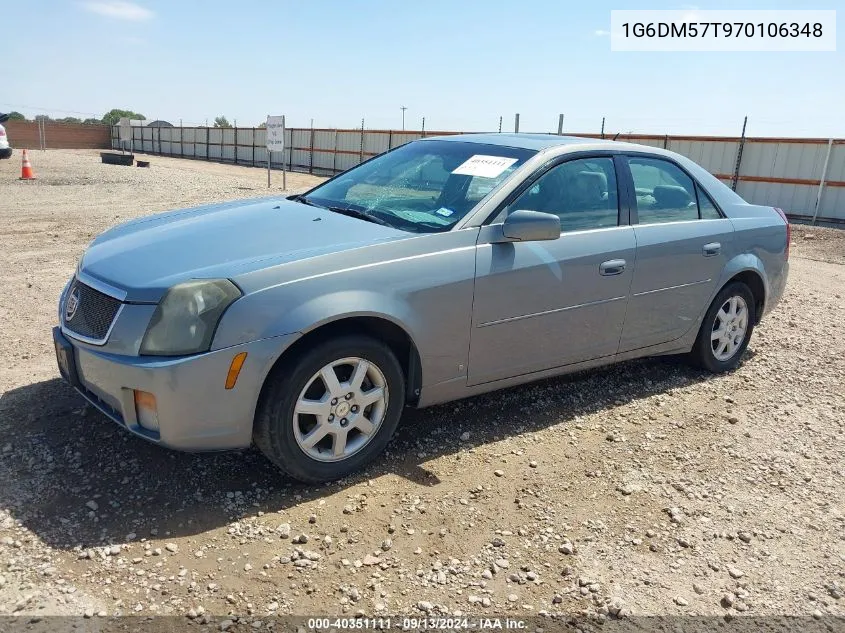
[
  {"x": 332, "y": 410},
  {"x": 726, "y": 329}
]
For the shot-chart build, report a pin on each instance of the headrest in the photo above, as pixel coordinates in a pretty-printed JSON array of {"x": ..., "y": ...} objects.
[{"x": 671, "y": 196}]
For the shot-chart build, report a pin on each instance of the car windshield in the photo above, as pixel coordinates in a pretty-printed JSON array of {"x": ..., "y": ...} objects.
[{"x": 424, "y": 186}]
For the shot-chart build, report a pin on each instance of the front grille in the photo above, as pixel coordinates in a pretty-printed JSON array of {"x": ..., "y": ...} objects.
[{"x": 93, "y": 314}]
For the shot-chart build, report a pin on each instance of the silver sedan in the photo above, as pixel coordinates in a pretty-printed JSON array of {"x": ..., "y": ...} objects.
[{"x": 442, "y": 269}]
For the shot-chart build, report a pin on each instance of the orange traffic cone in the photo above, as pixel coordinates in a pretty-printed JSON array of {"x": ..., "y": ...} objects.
[{"x": 26, "y": 168}]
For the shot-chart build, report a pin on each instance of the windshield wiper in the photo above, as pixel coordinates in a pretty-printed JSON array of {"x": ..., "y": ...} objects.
[
  {"x": 361, "y": 215},
  {"x": 304, "y": 200}
]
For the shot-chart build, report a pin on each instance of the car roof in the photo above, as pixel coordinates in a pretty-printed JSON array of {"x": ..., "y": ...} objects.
[{"x": 522, "y": 141}]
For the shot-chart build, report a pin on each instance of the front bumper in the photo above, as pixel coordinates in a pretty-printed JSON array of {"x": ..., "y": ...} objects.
[{"x": 195, "y": 411}]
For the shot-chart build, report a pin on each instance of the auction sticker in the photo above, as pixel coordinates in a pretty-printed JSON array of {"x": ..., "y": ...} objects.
[{"x": 484, "y": 166}]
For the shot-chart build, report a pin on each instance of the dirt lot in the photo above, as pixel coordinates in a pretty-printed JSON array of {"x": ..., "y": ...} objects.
[{"x": 647, "y": 488}]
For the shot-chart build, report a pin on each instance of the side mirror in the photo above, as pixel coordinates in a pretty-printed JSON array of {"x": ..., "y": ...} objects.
[{"x": 530, "y": 226}]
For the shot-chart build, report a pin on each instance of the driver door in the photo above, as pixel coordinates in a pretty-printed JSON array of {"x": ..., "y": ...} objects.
[{"x": 546, "y": 304}]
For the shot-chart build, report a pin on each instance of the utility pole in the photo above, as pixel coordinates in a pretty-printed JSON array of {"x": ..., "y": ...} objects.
[
  {"x": 403, "y": 108},
  {"x": 516, "y": 122},
  {"x": 602, "y": 127}
]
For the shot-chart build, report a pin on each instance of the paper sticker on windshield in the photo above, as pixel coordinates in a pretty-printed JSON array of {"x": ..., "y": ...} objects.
[
  {"x": 444, "y": 211},
  {"x": 484, "y": 166}
]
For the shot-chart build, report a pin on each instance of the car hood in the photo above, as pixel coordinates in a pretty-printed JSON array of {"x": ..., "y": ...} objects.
[{"x": 144, "y": 257}]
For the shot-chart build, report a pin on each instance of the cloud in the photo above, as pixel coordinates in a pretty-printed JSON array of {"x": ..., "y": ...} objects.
[
  {"x": 601, "y": 33},
  {"x": 118, "y": 10}
]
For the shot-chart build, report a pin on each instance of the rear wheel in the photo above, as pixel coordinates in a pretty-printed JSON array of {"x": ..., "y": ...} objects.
[
  {"x": 726, "y": 329},
  {"x": 333, "y": 410}
]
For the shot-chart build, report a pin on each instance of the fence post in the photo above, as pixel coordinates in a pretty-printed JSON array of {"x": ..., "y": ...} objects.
[
  {"x": 253, "y": 147},
  {"x": 602, "y": 127},
  {"x": 666, "y": 141},
  {"x": 222, "y": 135},
  {"x": 735, "y": 178},
  {"x": 181, "y": 140},
  {"x": 361, "y": 150},
  {"x": 822, "y": 181},
  {"x": 500, "y": 125},
  {"x": 311, "y": 150},
  {"x": 207, "y": 142},
  {"x": 236, "y": 145},
  {"x": 334, "y": 156},
  {"x": 284, "y": 171},
  {"x": 560, "y": 125},
  {"x": 423, "y": 127},
  {"x": 516, "y": 123}
]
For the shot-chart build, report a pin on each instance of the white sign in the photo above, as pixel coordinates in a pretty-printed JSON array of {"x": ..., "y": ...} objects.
[
  {"x": 275, "y": 133},
  {"x": 484, "y": 166}
]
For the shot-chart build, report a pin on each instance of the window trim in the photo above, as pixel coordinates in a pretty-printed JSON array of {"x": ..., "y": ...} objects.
[
  {"x": 623, "y": 214},
  {"x": 625, "y": 168}
]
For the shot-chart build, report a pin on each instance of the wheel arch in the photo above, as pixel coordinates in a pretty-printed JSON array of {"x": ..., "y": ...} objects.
[
  {"x": 376, "y": 326},
  {"x": 755, "y": 283}
]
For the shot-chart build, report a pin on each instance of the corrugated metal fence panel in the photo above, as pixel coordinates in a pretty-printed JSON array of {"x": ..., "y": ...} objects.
[
  {"x": 783, "y": 160},
  {"x": 324, "y": 140},
  {"x": 400, "y": 138},
  {"x": 833, "y": 198},
  {"x": 376, "y": 143},
  {"x": 349, "y": 141},
  {"x": 300, "y": 148},
  {"x": 651, "y": 142},
  {"x": 717, "y": 157},
  {"x": 794, "y": 199},
  {"x": 147, "y": 139},
  {"x": 164, "y": 141},
  {"x": 215, "y": 138},
  {"x": 836, "y": 165},
  {"x": 833, "y": 203}
]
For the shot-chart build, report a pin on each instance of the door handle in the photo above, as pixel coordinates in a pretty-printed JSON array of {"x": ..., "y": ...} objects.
[
  {"x": 612, "y": 267},
  {"x": 713, "y": 248}
]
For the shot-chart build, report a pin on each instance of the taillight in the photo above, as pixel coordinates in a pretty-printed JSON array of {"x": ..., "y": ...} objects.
[
  {"x": 788, "y": 230},
  {"x": 2, "y": 132}
]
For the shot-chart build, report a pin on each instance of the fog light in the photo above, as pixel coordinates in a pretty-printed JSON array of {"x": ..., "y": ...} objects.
[
  {"x": 146, "y": 410},
  {"x": 235, "y": 370}
]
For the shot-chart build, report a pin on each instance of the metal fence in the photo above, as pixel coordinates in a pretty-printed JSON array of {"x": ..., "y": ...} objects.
[{"x": 805, "y": 177}]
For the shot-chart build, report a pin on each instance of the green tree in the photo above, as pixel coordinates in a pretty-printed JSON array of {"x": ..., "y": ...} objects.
[
  {"x": 112, "y": 117},
  {"x": 69, "y": 119},
  {"x": 16, "y": 116},
  {"x": 222, "y": 121},
  {"x": 43, "y": 117},
  {"x": 92, "y": 122}
]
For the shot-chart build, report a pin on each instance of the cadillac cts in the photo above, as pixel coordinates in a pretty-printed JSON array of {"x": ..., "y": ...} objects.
[{"x": 441, "y": 269}]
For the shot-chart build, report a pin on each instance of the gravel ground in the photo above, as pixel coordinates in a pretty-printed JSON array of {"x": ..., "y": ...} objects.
[{"x": 647, "y": 488}]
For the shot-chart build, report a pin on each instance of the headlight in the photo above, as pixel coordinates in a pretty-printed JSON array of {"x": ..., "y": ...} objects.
[{"x": 185, "y": 319}]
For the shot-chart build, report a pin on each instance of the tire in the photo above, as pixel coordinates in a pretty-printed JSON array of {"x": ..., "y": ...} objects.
[
  {"x": 303, "y": 444},
  {"x": 717, "y": 355}
]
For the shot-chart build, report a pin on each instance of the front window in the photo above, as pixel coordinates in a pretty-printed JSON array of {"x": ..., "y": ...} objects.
[
  {"x": 424, "y": 186},
  {"x": 582, "y": 193}
]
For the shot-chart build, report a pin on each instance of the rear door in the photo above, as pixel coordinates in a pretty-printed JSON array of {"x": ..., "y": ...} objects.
[
  {"x": 545, "y": 304},
  {"x": 683, "y": 243}
]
